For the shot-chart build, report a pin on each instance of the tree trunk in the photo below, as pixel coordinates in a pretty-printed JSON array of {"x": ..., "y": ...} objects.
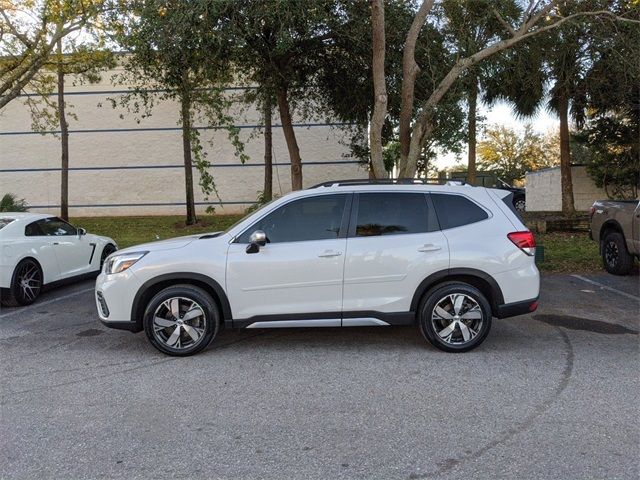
[
  {"x": 64, "y": 138},
  {"x": 473, "y": 100},
  {"x": 267, "y": 192},
  {"x": 410, "y": 70},
  {"x": 290, "y": 137},
  {"x": 379, "y": 90},
  {"x": 185, "y": 114},
  {"x": 568, "y": 207}
]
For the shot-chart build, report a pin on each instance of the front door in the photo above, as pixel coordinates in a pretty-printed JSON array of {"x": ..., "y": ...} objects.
[
  {"x": 297, "y": 275},
  {"x": 73, "y": 251}
]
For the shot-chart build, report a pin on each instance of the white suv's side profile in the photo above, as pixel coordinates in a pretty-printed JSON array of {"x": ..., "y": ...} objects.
[{"x": 447, "y": 258}]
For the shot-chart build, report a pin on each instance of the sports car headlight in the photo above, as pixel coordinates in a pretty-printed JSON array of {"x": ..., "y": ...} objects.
[{"x": 117, "y": 263}]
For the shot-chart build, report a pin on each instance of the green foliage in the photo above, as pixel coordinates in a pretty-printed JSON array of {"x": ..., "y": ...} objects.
[
  {"x": 11, "y": 203},
  {"x": 510, "y": 154},
  {"x": 177, "y": 52}
]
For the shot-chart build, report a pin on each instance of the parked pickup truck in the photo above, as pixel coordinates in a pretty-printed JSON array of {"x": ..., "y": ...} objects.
[{"x": 615, "y": 225}]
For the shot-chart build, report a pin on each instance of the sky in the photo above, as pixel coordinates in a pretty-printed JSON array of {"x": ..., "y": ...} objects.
[{"x": 502, "y": 114}]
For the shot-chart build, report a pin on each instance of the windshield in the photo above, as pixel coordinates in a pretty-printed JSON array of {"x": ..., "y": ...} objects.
[
  {"x": 261, "y": 207},
  {"x": 5, "y": 221}
]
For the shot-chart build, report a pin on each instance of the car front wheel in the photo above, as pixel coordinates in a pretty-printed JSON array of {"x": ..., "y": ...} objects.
[
  {"x": 455, "y": 317},
  {"x": 181, "y": 320}
]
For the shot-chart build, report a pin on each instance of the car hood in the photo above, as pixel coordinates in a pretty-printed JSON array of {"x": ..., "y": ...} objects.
[{"x": 170, "y": 243}]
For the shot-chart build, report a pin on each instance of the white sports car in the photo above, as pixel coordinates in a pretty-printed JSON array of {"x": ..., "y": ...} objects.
[{"x": 39, "y": 249}]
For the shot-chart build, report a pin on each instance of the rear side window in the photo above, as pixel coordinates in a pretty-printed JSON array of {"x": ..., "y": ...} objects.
[
  {"x": 33, "y": 230},
  {"x": 392, "y": 214},
  {"x": 456, "y": 210}
]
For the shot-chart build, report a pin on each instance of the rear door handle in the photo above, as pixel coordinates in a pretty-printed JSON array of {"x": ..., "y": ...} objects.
[
  {"x": 429, "y": 247},
  {"x": 329, "y": 253},
  {"x": 56, "y": 243}
]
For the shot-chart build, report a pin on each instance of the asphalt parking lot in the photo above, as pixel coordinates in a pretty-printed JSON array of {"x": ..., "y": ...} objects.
[{"x": 549, "y": 395}]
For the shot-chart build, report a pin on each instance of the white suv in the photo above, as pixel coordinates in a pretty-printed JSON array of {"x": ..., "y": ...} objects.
[{"x": 447, "y": 258}]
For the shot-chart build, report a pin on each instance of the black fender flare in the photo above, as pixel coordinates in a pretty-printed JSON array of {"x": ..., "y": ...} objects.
[
  {"x": 180, "y": 277},
  {"x": 496, "y": 299}
]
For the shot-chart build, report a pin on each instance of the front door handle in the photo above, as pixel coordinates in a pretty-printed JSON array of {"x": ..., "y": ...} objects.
[
  {"x": 429, "y": 247},
  {"x": 329, "y": 253}
]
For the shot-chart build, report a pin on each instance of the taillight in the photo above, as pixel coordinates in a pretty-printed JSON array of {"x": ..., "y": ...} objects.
[
  {"x": 592, "y": 210},
  {"x": 524, "y": 241}
]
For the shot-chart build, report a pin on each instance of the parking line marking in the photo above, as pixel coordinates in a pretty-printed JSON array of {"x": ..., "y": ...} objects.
[
  {"x": 611, "y": 289},
  {"x": 40, "y": 304}
]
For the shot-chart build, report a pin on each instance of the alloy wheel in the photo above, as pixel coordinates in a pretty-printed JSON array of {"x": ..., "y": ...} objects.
[
  {"x": 179, "y": 323},
  {"x": 457, "y": 319},
  {"x": 611, "y": 254},
  {"x": 29, "y": 281}
]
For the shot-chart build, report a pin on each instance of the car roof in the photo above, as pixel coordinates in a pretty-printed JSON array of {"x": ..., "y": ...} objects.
[{"x": 24, "y": 215}]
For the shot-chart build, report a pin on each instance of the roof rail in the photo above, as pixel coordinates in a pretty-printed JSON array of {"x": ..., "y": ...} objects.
[{"x": 380, "y": 181}]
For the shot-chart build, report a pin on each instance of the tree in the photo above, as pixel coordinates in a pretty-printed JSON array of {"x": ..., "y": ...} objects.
[
  {"x": 30, "y": 31},
  {"x": 608, "y": 113},
  {"x": 510, "y": 154},
  {"x": 176, "y": 54},
  {"x": 535, "y": 18},
  {"x": 81, "y": 57},
  {"x": 277, "y": 43}
]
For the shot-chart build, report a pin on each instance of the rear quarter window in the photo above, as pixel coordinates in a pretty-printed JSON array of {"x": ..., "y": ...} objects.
[{"x": 455, "y": 210}]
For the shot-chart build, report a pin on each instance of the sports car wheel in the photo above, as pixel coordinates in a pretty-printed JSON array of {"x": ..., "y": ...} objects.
[{"x": 26, "y": 284}]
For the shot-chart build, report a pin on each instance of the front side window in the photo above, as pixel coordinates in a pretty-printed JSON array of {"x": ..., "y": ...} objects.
[
  {"x": 456, "y": 210},
  {"x": 54, "y": 226},
  {"x": 312, "y": 218},
  {"x": 392, "y": 214}
]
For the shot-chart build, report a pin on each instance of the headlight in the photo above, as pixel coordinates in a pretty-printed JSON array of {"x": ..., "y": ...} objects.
[{"x": 117, "y": 263}]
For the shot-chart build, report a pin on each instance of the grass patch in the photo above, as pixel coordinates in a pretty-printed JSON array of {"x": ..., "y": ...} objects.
[
  {"x": 564, "y": 252},
  {"x": 568, "y": 252},
  {"x": 128, "y": 231}
]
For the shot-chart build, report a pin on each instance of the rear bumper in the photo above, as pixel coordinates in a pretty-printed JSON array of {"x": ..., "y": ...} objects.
[{"x": 517, "y": 308}]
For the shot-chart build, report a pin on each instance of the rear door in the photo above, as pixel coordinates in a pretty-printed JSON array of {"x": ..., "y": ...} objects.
[{"x": 394, "y": 243}]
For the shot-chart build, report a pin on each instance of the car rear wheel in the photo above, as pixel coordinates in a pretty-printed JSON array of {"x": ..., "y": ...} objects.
[
  {"x": 615, "y": 256},
  {"x": 26, "y": 284},
  {"x": 455, "y": 317},
  {"x": 181, "y": 320}
]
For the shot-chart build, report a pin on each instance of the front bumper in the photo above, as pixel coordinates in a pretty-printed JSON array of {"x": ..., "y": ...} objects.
[{"x": 114, "y": 295}]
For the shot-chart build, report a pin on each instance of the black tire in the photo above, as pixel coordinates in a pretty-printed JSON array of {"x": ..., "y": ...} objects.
[
  {"x": 520, "y": 204},
  {"x": 19, "y": 293},
  {"x": 473, "y": 304},
  {"x": 159, "y": 306},
  {"x": 106, "y": 251},
  {"x": 615, "y": 256}
]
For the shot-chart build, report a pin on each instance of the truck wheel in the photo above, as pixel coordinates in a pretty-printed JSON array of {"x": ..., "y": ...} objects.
[
  {"x": 520, "y": 204},
  {"x": 615, "y": 257}
]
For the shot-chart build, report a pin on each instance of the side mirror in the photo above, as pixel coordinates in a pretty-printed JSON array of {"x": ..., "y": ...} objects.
[
  {"x": 256, "y": 240},
  {"x": 81, "y": 232}
]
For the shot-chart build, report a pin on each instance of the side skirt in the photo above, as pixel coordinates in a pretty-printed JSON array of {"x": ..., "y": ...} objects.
[{"x": 346, "y": 319}]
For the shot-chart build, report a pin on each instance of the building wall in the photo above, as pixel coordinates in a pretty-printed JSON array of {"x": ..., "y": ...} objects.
[
  {"x": 544, "y": 192},
  {"x": 122, "y": 166}
]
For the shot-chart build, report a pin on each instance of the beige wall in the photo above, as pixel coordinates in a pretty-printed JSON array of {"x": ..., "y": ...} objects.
[
  {"x": 544, "y": 193},
  {"x": 122, "y": 167}
]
